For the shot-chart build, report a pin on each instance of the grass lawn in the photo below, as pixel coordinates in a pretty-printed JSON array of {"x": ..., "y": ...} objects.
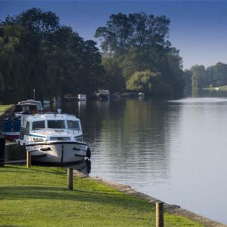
[
  {"x": 39, "y": 197},
  {"x": 3, "y": 108}
]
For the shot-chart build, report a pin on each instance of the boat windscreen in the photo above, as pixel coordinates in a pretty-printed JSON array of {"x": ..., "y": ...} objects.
[
  {"x": 38, "y": 125},
  {"x": 56, "y": 124},
  {"x": 18, "y": 108},
  {"x": 74, "y": 125}
]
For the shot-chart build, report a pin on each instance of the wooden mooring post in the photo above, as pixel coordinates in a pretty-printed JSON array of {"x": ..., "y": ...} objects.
[
  {"x": 29, "y": 159},
  {"x": 70, "y": 178},
  {"x": 159, "y": 214},
  {"x": 2, "y": 151}
]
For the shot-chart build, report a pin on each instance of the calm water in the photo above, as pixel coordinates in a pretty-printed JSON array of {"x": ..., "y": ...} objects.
[{"x": 173, "y": 150}]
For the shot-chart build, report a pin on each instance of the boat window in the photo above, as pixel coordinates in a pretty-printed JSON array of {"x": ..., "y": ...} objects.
[
  {"x": 18, "y": 108},
  {"x": 32, "y": 107},
  {"x": 38, "y": 125},
  {"x": 74, "y": 125},
  {"x": 27, "y": 131},
  {"x": 56, "y": 124}
]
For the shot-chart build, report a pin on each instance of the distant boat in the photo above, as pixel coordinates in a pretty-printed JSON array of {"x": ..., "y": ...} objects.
[
  {"x": 102, "y": 94},
  {"x": 116, "y": 95},
  {"x": 69, "y": 97},
  {"x": 141, "y": 94},
  {"x": 82, "y": 97},
  {"x": 56, "y": 99},
  {"x": 46, "y": 101}
]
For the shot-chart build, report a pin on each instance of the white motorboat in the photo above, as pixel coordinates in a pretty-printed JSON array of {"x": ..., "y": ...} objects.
[
  {"x": 29, "y": 106},
  {"x": 102, "y": 94},
  {"x": 141, "y": 94},
  {"x": 82, "y": 97},
  {"x": 53, "y": 138}
]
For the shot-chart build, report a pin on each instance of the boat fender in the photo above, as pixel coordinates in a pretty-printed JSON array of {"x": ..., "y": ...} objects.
[{"x": 88, "y": 153}]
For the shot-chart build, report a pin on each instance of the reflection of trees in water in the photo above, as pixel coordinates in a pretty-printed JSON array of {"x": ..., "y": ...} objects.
[
  {"x": 137, "y": 136},
  {"x": 129, "y": 134}
]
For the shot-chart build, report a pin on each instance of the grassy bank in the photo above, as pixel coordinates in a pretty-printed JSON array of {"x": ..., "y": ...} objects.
[
  {"x": 39, "y": 197},
  {"x": 3, "y": 108}
]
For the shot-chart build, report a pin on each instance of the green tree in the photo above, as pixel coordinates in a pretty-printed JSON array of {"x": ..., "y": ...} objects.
[
  {"x": 138, "y": 30},
  {"x": 198, "y": 76},
  {"x": 142, "y": 81},
  {"x": 139, "y": 42},
  {"x": 114, "y": 79},
  {"x": 37, "y": 52}
]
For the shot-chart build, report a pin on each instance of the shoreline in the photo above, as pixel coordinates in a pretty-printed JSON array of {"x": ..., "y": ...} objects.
[{"x": 170, "y": 208}]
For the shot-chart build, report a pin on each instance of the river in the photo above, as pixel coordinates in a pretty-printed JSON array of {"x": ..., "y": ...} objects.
[{"x": 174, "y": 150}]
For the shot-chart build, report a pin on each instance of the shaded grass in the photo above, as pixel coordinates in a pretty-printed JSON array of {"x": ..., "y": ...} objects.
[{"x": 39, "y": 197}]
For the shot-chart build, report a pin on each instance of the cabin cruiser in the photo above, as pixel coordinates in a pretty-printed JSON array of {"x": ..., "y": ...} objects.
[
  {"x": 28, "y": 106},
  {"x": 53, "y": 138},
  {"x": 102, "y": 94},
  {"x": 11, "y": 124}
]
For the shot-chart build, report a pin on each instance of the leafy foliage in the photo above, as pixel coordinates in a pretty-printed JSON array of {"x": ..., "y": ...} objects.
[
  {"x": 37, "y": 52},
  {"x": 139, "y": 42},
  {"x": 213, "y": 76},
  {"x": 114, "y": 80}
]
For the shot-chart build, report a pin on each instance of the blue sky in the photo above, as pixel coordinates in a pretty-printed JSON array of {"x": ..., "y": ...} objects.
[{"x": 198, "y": 28}]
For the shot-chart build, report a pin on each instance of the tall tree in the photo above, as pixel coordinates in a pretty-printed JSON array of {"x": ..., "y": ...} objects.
[
  {"x": 114, "y": 80},
  {"x": 139, "y": 42}
]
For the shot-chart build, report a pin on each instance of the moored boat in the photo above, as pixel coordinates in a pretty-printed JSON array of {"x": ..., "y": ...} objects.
[
  {"x": 82, "y": 97},
  {"x": 54, "y": 139},
  {"x": 11, "y": 123},
  {"x": 141, "y": 94},
  {"x": 11, "y": 127},
  {"x": 102, "y": 94}
]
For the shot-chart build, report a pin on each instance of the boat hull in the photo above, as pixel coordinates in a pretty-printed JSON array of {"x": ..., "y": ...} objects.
[
  {"x": 11, "y": 136},
  {"x": 57, "y": 153}
]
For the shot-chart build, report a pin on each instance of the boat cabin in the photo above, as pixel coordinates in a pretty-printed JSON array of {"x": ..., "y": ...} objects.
[
  {"x": 28, "y": 106},
  {"x": 50, "y": 127}
]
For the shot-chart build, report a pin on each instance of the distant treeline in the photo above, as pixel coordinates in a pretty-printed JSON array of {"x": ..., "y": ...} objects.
[
  {"x": 200, "y": 77},
  {"x": 37, "y": 52}
]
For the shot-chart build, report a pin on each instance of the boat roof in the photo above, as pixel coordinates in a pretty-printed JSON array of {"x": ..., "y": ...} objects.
[
  {"x": 31, "y": 102},
  {"x": 51, "y": 116}
]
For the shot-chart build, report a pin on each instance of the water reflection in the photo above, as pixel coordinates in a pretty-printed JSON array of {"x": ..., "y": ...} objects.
[
  {"x": 83, "y": 167},
  {"x": 175, "y": 151}
]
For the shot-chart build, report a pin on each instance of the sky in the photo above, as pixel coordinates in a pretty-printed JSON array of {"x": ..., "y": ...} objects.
[{"x": 198, "y": 28}]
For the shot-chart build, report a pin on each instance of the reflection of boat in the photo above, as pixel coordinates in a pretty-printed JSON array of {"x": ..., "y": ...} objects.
[
  {"x": 83, "y": 167},
  {"x": 102, "y": 94},
  {"x": 53, "y": 138},
  {"x": 82, "y": 97}
]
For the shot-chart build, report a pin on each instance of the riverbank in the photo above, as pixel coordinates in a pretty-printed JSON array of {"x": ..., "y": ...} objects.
[
  {"x": 215, "y": 88},
  {"x": 171, "y": 209},
  {"x": 38, "y": 196}
]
